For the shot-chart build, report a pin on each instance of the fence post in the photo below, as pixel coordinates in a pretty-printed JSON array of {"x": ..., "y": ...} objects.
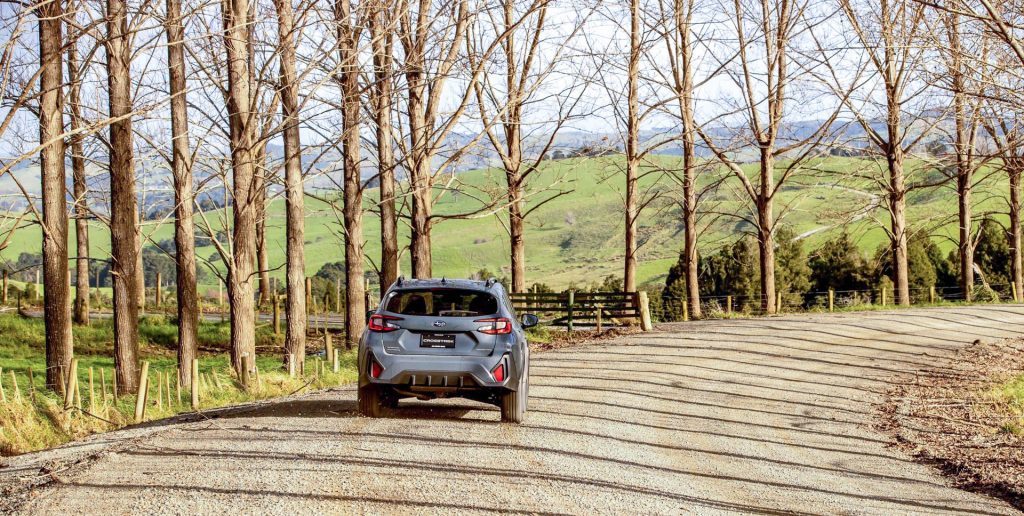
[
  {"x": 4, "y": 296},
  {"x": 159, "y": 294},
  {"x": 931, "y": 294},
  {"x": 14, "y": 385},
  {"x": 291, "y": 365},
  {"x": 1013, "y": 290},
  {"x": 337, "y": 361},
  {"x": 277, "y": 314},
  {"x": 328, "y": 345},
  {"x": 71, "y": 385},
  {"x": 92, "y": 392},
  {"x": 686, "y": 309},
  {"x": 599, "y": 308},
  {"x": 32, "y": 386},
  {"x": 728, "y": 304},
  {"x": 883, "y": 296},
  {"x": 195, "y": 384},
  {"x": 831, "y": 300},
  {"x": 366, "y": 296},
  {"x": 645, "y": 311},
  {"x": 337, "y": 295},
  {"x": 572, "y": 300},
  {"x": 140, "y": 399},
  {"x": 778, "y": 302},
  {"x": 309, "y": 294},
  {"x": 243, "y": 376},
  {"x": 35, "y": 291}
]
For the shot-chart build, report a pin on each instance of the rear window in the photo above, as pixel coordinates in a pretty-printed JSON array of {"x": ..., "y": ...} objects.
[{"x": 442, "y": 303}]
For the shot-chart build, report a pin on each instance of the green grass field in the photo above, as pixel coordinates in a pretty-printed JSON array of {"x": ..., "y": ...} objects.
[
  {"x": 34, "y": 418},
  {"x": 577, "y": 237}
]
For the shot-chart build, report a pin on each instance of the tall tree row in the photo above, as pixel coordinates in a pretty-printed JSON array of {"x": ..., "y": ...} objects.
[
  {"x": 348, "y": 34},
  {"x": 769, "y": 76},
  {"x": 56, "y": 289},
  {"x": 184, "y": 197},
  {"x": 124, "y": 221},
  {"x": 79, "y": 186},
  {"x": 295, "y": 260},
  {"x": 382, "y": 26},
  {"x": 244, "y": 186},
  {"x": 889, "y": 33}
]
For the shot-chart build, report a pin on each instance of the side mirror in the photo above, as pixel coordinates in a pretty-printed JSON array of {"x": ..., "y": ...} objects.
[
  {"x": 530, "y": 320},
  {"x": 369, "y": 313}
]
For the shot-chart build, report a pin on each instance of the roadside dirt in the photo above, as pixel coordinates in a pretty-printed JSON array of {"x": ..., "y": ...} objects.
[
  {"x": 739, "y": 416},
  {"x": 946, "y": 416}
]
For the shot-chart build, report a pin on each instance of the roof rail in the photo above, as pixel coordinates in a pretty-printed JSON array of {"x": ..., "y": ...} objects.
[
  {"x": 400, "y": 280},
  {"x": 490, "y": 281}
]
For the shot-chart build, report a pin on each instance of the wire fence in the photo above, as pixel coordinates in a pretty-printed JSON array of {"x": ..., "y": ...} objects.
[{"x": 667, "y": 308}]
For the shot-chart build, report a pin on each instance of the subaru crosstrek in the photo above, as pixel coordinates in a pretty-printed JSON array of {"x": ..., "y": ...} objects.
[{"x": 441, "y": 338}]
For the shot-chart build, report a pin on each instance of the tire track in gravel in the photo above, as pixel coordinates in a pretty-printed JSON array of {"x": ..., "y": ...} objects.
[{"x": 753, "y": 416}]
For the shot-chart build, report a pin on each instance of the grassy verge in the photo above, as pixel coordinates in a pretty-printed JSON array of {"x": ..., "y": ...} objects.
[
  {"x": 1010, "y": 394},
  {"x": 33, "y": 417}
]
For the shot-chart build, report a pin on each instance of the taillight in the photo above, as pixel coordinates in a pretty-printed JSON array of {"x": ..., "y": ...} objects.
[
  {"x": 382, "y": 323},
  {"x": 499, "y": 373},
  {"x": 375, "y": 369},
  {"x": 497, "y": 326}
]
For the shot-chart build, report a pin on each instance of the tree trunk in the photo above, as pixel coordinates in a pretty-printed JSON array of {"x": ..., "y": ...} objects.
[
  {"x": 59, "y": 346},
  {"x": 348, "y": 49},
  {"x": 1015, "y": 172},
  {"x": 898, "y": 209},
  {"x": 690, "y": 258},
  {"x": 632, "y": 146},
  {"x": 79, "y": 190},
  {"x": 184, "y": 198},
  {"x": 517, "y": 245},
  {"x": 420, "y": 177},
  {"x": 686, "y": 110},
  {"x": 295, "y": 280},
  {"x": 242, "y": 129},
  {"x": 965, "y": 246},
  {"x": 123, "y": 210},
  {"x": 382, "y": 38},
  {"x": 766, "y": 231},
  {"x": 262, "y": 262}
]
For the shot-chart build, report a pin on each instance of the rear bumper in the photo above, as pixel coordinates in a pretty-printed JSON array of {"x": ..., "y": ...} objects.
[{"x": 433, "y": 371}]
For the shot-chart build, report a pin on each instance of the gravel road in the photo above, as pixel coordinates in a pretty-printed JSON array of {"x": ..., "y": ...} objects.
[{"x": 754, "y": 416}]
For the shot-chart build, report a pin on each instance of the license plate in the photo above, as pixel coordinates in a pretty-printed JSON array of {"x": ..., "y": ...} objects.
[{"x": 437, "y": 340}]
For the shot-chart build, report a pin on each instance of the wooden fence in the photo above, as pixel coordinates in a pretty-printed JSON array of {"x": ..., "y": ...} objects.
[{"x": 593, "y": 309}]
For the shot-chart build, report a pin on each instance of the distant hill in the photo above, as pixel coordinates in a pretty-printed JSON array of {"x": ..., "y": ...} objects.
[{"x": 577, "y": 237}]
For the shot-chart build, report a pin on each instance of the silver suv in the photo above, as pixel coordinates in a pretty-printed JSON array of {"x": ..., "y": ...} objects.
[{"x": 441, "y": 338}]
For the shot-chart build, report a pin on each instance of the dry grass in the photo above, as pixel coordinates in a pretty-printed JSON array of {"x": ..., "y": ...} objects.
[{"x": 965, "y": 417}]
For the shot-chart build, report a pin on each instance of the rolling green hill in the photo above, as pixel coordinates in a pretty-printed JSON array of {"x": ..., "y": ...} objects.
[{"x": 577, "y": 236}]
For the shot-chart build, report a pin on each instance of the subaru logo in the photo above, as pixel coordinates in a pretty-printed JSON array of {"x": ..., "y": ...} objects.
[{"x": 439, "y": 324}]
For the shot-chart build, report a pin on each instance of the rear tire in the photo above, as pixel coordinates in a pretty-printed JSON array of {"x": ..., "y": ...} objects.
[
  {"x": 370, "y": 400},
  {"x": 513, "y": 403}
]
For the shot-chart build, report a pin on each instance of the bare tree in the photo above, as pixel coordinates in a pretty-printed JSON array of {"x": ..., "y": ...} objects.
[
  {"x": 891, "y": 34},
  {"x": 531, "y": 51},
  {"x": 382, "y": 38},
  {"x": 184, "y": 196},
  {"x": 768, "y": 73},
  {"x": 348, "y": 33},
  {"x": 123, "y": 213},
  {"x": 963, "y": 53},
  {"x": 59, "y": 347},
  {"x": 79, "y": 185},
  {"x": 295, "y": 273},
  {"x": 676, "y": 26},
  {"x": 242, "y": 123}
]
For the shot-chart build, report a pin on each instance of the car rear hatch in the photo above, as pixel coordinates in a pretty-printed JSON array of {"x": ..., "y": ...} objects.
[
  {"x": 427, "y": 335},
  {"x": 439, "y": 321}
]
